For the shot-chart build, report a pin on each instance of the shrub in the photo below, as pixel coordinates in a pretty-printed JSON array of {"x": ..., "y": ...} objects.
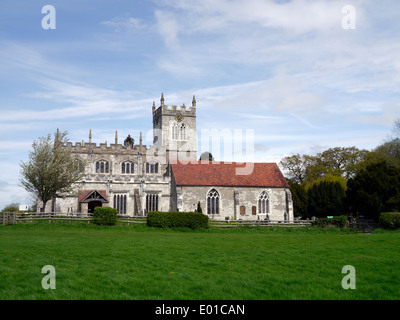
[
  {"x": 104, "y": 216},
  {"x": 390, "y": 220},
  {"x": 337, "y": 221},
  {"x": 199, "y": 207},
  {"x": 340, "y": 221},
  {"x": 191, "y": 220}
]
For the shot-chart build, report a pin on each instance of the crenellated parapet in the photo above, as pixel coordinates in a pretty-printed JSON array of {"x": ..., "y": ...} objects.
[{"x": 172, "y": 110}]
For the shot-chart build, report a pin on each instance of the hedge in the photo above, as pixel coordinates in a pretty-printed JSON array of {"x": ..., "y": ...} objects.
[
  {"x": 337, "y": 221},
  {"x": 104, "y": 216},
  {"x": 191, "y": 220},
  {"x": 390, "y": 220}
]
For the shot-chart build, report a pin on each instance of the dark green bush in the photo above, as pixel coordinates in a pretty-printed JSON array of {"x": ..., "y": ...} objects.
[
  {"x": 191, "y": 220},
  {"x": 104, "y": 216},
  {"x": 390, "y": 220},
  {"x": 337, "y": 221}
]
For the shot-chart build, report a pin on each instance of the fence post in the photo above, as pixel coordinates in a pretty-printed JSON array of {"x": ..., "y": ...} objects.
[{"x": 49, "y": 217}]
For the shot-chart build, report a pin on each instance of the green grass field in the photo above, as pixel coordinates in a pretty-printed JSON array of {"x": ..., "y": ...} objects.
[{"x": 136, "y": 262}]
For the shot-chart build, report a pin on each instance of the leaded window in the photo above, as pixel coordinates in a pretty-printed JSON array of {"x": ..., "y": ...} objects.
[
  {"x": 213, "y": 202},
  {"x": 263, "y": 202},
  {"x": 151, "y": 202},
  {"x": 102, "y": 166},
  {"x": 174, "y": 131},
  {"x": 182, "y": 132},
  {"x": 120, "y": 203},
  {"x": 152, "y": 167},
  {"x": 127, "y": 167}
]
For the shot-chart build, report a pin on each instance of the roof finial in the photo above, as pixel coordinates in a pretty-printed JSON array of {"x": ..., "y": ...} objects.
[
  {"x": 194, "y": 101},
  {"x": 154, "y": 106},
  {"x": 116, "y": 136},
  {"x": 140, "y": 139},
  {"x": 162, "y": 99},
  {"x": 90, "y": 136}
]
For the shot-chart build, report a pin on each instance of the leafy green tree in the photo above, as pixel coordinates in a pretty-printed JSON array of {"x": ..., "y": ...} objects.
[
  {"x": 373, "y": 190},
  {"x": 340, "y": 162},
  {"x": 326, "y": 199},
  {"x": 300, "y": 199},
  {"x": 52, "y": 169},
  {"x": 390, "y": 150},
  {"x": 297, "y": 166},
  {"x": 12, "y": 207}
]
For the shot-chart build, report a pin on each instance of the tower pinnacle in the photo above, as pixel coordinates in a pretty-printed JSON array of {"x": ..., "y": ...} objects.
[{"x": 162, "y": 99}]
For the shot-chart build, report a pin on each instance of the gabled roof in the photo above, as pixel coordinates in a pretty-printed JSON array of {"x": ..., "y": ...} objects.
[
  {"x": 201, "y": 173},
  {"x": 88, "y": 195}
]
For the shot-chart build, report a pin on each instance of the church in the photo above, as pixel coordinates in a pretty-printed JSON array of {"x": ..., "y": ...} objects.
[{"x": 167, "y": 176}]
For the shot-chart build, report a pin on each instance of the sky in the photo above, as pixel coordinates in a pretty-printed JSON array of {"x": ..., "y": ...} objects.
[{"x": 297, "y": 76}]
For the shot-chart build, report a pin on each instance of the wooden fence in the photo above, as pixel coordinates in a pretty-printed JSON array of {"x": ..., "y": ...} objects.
[
  {"x": 258, "y": 223},
  {"x": 14, "y": 218}
]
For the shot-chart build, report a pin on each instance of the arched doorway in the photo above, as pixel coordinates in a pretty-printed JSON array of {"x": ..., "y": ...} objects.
[{"x": 92, "y": 205}]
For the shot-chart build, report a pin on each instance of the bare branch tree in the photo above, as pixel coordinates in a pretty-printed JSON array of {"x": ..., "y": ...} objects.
[{"x": 396, "y": 128}]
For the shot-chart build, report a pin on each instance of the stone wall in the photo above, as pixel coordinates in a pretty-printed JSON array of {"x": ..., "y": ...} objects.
[{"x": 237, "y": 202}]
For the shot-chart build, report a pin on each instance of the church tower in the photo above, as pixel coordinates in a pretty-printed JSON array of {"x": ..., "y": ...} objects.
[{"x": 175, "y": 129}]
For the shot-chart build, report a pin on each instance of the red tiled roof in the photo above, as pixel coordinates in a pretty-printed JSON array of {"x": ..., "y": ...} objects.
[
  {"x": 212, "y": 174},
  {"x": 83, "y": 194}
]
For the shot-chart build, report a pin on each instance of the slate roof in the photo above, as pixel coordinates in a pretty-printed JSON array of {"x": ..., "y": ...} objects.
[{"x": 203, "y": 173}]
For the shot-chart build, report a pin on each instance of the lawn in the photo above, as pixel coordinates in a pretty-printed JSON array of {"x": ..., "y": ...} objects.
[{"x": 136, "y": 262}]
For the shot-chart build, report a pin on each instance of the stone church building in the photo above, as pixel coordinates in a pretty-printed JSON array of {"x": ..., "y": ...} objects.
[{"x": 167, "y": 176}]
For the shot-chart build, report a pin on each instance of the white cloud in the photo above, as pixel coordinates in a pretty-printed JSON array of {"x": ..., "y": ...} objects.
[
  {"x": 124, "y": 23},
  {"x": 168, "y": 27}
]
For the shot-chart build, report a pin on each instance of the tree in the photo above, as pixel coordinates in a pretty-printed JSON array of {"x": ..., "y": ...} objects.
[
  {"x": 299, "y": 197},
  {"x": 338, "y": 161},
  {"x": 390, "y": 150},
  {"x": 373, "y": 190},
  {"x": 207, "y": 156},
  {"x": 12, "y": 207},
  {"x": 296, "y": 166},
  {"x": 396, "y": 128},
  {"x": 326, "y": 199},
  {"x": 52, "y": 169},
  {"x": 199, "y": 207}
]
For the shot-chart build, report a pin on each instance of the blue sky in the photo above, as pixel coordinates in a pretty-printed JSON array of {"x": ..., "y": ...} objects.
[{"x": 287, "y": 70}]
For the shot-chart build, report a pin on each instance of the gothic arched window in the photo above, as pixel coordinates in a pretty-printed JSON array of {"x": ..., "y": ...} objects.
[
  {"x": 152, "y": 167},
  {"x": 120, "y": 203},
  {"x": 127, "y": 167},
  {"x": 174, "y": 131},
  {"x": 151, "y": 202},
  {"x": 182, "y": 132},
  {"x": 213, "y": 202},
  {"x": 102, "y": 166},
  {"x": 263, "y": 202}
]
